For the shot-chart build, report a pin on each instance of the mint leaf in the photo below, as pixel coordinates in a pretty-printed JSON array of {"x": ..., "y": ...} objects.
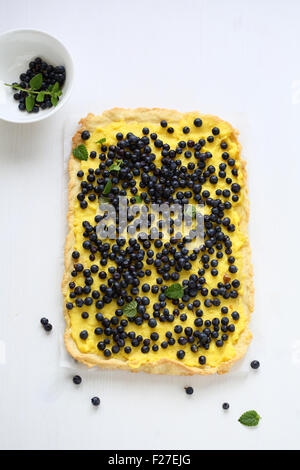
[
  {"x": 115, "y": 166},
  {"x": 36, "y": 81},
  {"x": 250, "y": 418},
  {"x": 104, "y": 200},
  {"x": 101, "y": 141},
  {"x": 55, "y": 92},
  {"x": 81, "y": 152},
  {"x": 191, "y": 211},
  {"x": 138, "y": 199},
  {"x": 130, "y": 310},
  {"x": 29, "y": 102},
  {"x": 54, "y": 99},
  {"x": 40, "y": 97},
  {"x": 55, "y": 87},
  {"x": 175, "y": 291},
  {"x": 107, "y": 188}
]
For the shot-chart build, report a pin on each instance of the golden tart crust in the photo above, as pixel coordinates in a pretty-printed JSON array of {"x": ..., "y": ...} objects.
[{"x": 162, "y": 365}]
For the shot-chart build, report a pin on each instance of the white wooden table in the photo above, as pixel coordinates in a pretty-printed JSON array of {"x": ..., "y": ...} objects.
[{"x": 218, "y": 57}]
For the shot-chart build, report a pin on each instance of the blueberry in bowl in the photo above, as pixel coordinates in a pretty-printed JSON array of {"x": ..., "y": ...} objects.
[{"x": 36, "y": 75}]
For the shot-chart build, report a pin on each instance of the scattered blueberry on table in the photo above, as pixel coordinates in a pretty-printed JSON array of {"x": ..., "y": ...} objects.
[
  {"x": 45, "y": 322},
  {"x": 77, "y": 379},
  {"x": 95, "y": 401},
  {"x": 255, "y": 364}
]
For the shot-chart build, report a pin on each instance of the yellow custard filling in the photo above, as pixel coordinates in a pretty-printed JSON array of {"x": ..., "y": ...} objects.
[{"x": 214, "y": 355}]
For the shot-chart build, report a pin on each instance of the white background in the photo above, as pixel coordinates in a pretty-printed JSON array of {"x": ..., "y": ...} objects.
[{"x": 213, "y": 56}]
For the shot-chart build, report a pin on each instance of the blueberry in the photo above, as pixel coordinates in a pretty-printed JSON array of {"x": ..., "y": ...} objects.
[
  {"x": 197, "y": 122},
  {"x": 77, "y": 379},
  {"x": 85, "y": 135},
  {"x": 60, "y": 78},
  {"x": 255, "y": 364},
  {"x": 180, "y": 354},
  {"x": 95, "y": 401},
  {"x": 83, "y": 334},
  {"x": 44, "y": 321},
  {"x": 189, "y": 390},
  {"x": 60, "y": 69}
]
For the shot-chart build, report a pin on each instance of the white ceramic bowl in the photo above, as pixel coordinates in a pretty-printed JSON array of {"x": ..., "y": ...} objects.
[{"x": 17, "y": 49}]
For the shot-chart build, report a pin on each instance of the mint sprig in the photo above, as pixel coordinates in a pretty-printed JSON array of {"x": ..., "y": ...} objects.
[
  {"x": 80, "y": 152},
  {"x": 175, "y": 291},
  {"x": 35, "y": 94},
  {"x": 130, "y": 310},
  {"x": 116, "y": 166},
  {"x": 101, "y": 141},
  {"x": 250, "y": 418}
]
